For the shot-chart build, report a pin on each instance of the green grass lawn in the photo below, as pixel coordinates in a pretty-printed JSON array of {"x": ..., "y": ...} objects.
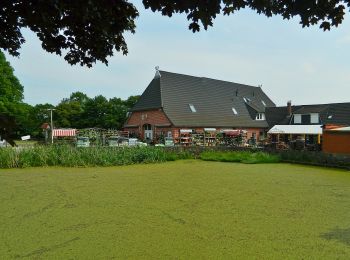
[{"x": 180, "y": 210}]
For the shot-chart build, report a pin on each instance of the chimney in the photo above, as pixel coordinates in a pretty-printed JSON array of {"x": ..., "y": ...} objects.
[
  {"x": 289, "y": 108},
  {"x": 157, "y": 73}
]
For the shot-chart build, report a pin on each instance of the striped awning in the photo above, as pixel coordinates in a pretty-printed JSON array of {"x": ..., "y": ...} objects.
[{"x": 64, "y": 132}]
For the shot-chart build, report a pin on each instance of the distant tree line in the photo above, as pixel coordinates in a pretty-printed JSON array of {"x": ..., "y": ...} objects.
[
  {"x": 81, "y": 111},
  {"x": 76, "y": 111}
]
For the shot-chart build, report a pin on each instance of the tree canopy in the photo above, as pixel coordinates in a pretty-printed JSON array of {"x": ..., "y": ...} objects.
[
  {"x": 11, "y": 96},
  {"x": 89, "y": 31}
]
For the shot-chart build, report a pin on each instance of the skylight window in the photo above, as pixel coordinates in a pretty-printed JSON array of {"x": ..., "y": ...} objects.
[
  {"x": 247, "y": 99},
  {"x": 193, "y": 109},
  {"x": 234, "y": 111},
  {"x": 330, "y": 116},
  {"x": 263, "y": 102}
]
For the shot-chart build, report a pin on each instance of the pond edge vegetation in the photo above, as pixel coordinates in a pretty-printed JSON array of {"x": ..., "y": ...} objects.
[{"x": 69, "y": 156}]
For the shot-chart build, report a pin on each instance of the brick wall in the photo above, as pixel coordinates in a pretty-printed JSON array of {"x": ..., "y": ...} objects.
[
  {"x": 140, "y": 118},
  {"x": 158, "y": 117},
  {"x": 152, "y": 117}
]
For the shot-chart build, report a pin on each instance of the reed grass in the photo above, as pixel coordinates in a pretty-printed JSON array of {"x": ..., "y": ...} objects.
[{"x": 68, "y": 156}]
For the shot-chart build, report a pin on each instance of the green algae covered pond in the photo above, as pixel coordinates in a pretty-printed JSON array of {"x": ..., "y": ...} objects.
[{"x": 187, "y": 209}]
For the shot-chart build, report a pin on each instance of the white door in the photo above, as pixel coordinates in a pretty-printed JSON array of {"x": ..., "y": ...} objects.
[{"x": 149, "y": 134}]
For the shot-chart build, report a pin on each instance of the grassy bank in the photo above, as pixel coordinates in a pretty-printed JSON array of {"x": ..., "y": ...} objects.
[
  {"x": 188, "y": 209},
  {"x": 242, "y": 157},
  {"x": 83, "y": 157}
]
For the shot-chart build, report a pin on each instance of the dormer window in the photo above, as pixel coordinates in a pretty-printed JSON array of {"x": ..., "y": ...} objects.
[
  {"x": 297, "y": 119},
  {"x": 260, "y": 116},
  {"x": 234, "y": 111},
  {"x": 314, "y": 118},
  {"x": 193, "y": 109}
]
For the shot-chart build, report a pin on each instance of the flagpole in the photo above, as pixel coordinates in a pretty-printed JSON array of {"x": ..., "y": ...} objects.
[{"x": 51, "y": 109}]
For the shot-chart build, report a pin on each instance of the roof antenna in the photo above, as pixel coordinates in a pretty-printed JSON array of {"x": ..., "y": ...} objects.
[{"x": 157, "y": 73}]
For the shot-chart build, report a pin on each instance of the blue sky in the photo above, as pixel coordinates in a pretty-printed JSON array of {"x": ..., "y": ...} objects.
[{"x": 307, "y": 66}]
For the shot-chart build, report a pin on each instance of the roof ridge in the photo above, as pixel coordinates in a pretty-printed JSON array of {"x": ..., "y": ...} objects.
[
  {"x": 200, "y": 77},
  {"x": 324, "y": 104}
]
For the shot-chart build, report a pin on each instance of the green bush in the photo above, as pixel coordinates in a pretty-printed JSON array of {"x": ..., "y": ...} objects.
[
  {"x": 316, "y": 158},
  {"x": 240, "y": 156}
]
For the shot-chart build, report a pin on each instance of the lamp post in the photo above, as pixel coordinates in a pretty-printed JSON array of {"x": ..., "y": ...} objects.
[{"x": 51, "y": 109}]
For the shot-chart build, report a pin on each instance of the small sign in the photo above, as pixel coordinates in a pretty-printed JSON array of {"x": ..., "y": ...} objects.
[{"x": 26, "y": 137}]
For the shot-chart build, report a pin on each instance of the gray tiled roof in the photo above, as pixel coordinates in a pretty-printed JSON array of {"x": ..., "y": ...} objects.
[
  {"x": 150, "y": 98},
  {"x": 212, "y": 99}
]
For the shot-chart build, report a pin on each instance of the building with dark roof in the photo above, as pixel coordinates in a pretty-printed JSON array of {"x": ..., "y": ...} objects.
[
  {"x": 320, "y": 114},
  {"x": 173, "y": 101},
  {"x": 290, "y": 122}
]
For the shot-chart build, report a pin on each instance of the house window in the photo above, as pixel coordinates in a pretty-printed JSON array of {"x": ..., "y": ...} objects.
[
  {"x": 305, "y": 119},
  {"x": 297, "y": 119},
  {"x": 263, "y": 102},
  {"x": 234, "y": 111},
  {"x": 314, "y": 118},
  {"x": 143, "y": 116},
  {"x": 260, "y": 116},
  {"x": 193, "y": 109}
]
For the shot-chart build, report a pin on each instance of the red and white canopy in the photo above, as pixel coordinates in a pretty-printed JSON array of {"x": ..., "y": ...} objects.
[{"x": 64, "y": 132}]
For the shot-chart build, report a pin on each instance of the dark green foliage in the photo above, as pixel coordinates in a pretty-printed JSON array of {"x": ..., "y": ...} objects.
[
  {"x": 11, "y": 96},
  {"x": 86, "y": 31},
  {"x": 82, "y": 157},
  {"x": 7, "y": 127},
  {"x": 327, "y": 13},
  {"x": 241, "y": 156},
  {"x": 80, "y": 111},
  {"x": 11, "y": 90},
  {"x": 89, "y": 31},
  {"x": 316, "y": 158}
]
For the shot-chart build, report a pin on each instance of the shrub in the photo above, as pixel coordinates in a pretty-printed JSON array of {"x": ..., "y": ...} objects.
[
  {"x": 241, "y": 156},
  {"x": 316, "y": 158}
]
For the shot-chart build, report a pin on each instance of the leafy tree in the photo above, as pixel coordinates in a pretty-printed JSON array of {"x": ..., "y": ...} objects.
[
  {"x": 116, "y": 115},
  {"x": 95, "y": 112},
  {"x": 85, "y": 30},
  {"x": 79, "y": 97},
  {"x": 11, "y": 95},
  {"x": 89, "y": 31},
  {"x": 69, "y": 112},
  {"x": 131, "y": 101},
  {"x": 11, "y": 90},
  {"x": 39, "y": 116}
]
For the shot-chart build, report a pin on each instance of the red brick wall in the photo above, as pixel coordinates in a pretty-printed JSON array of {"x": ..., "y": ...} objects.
[
  {"x": 140, "y": 118},
  {"x": 336, "y": 142},
  {"x": 152, "y": 117}
]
